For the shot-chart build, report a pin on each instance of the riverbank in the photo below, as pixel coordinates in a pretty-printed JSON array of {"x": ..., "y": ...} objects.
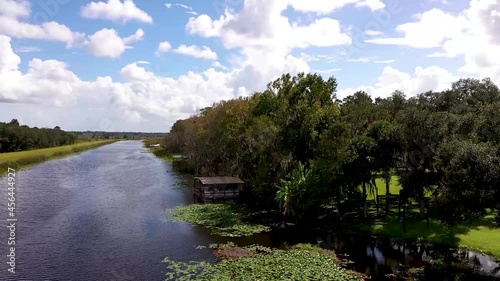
[
  {"x": 23, "y": 159},
  {"x": 481, "y": 235}
]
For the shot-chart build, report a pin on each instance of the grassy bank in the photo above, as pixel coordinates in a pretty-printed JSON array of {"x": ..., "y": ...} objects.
[
  {"x": 162, "y": 154},
  {"x": 158, "y": 151},
  {"x": 481, "y": 235},
  {"x": 23, "y": 159}
]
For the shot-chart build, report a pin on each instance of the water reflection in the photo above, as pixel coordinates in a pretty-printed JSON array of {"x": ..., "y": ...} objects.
[
  {"x": 98, "y": 216},
  {"x": 376, "y": 257}
]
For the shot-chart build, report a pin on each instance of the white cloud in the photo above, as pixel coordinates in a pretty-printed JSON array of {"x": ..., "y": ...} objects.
[
  {"x": 115, "y": 10},
  {"x": 164, "y": 47},
  {"x": 197, "y": 52},
  {"x": 15, "y": 9},
  {"x": 189, "y": 9},
  {"x": 10, "y": 25},
  {"x": 370, "y": 32},
  {"x": 218, "y": 65},
  {"x": 328, "y": 6},
  {"x": 473, "y": 34},
  {"x": 137, "y": 36},
  {"x": 265, "y": 39},
  {"x": 328, "y": 71},
  {"x": 28, "y": 49},
  {"x": 107, "y": 43},
  {"x": 431, "y": 78},
  {"x": 9, "y": 60},
  {"x": 432, "y": 29},
  {"x": 170, "y": 5},
  {"x": 362, "y": 59},
  {"x": 261, "y": 25},
  {"x": 144, "y": 95},
  {"x": 384, "y": 61}
]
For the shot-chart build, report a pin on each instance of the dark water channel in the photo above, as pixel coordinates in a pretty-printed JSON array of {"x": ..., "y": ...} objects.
[
  {"x": 100, "y": 215},
  {"x": 378, "y": 257}
]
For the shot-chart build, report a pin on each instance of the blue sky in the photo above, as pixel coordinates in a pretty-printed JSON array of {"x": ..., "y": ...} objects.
[{"x": 123, "y": 65}]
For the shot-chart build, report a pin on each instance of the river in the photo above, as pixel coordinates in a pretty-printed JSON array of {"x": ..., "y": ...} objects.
[{"x": 100, "y": 216}]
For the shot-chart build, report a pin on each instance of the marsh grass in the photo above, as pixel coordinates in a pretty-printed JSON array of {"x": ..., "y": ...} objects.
[
  {"x": 229, "y": 219},
  {"x": 261, "y": 263},
  {"x": 23, "y": 159},
  {"x": 162, "y": 154}
]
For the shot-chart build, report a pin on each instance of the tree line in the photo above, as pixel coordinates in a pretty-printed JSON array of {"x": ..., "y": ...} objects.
[
  {"x": 299, "y": 147},
  {"x": 15, "y": 137}
]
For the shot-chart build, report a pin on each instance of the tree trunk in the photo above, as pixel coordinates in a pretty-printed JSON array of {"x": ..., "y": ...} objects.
[
  {"x": 387, "y": 177},
  {"x": 421, "y": 203},
  {"x": 365, "y": 206}
]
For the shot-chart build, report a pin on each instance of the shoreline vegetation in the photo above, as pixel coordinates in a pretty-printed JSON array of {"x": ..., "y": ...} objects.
[
  {"x": 481, "y": 235},
  {"x": 23, "y": 159},
  {"x": 229, "y": 220},
  {"x": 318, "y": 161},
  {"x": 159, "y": 152},
  {"x": 300, "y": 262}
]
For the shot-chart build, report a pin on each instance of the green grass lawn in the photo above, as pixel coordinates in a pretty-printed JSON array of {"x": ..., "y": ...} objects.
[
  {"x": 482, "y": 235},
  {"x": 394, "y": 187},
  {"x": 22, "y": 159}
]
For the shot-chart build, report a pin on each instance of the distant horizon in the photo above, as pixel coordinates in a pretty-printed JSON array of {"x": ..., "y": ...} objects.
[{"x": 83, "y": 131}]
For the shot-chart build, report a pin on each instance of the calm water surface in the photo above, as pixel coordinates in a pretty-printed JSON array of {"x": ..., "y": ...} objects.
[{"x": 98, "y": 216}]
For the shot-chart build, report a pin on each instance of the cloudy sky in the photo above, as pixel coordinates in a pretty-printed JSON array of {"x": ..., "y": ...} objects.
[{"x": 123, "y": 65}]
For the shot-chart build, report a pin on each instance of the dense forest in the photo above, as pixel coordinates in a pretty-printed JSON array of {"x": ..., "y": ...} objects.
[
  {"x": 299, "y": 147},
  {"x": 16, "y": 137}
]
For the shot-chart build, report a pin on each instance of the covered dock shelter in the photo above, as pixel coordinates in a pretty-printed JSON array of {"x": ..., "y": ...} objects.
[{"x": 216, "y": 188}]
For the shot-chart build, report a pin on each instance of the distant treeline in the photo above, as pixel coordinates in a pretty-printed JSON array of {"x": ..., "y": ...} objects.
[
  {"x": 118, "y": 135},
  {"x": 16, "y": 137}
]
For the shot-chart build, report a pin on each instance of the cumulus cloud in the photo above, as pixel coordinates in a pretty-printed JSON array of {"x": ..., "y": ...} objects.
[
  {"x": 144, "y": 94},
  {"x": 472, "y": 33},
  {"x": 197, "y": 52},
  {"x": 115, "y": 10},
  {"x": 164, "y": 47},
  {"x": 264, "y": 39},
  {"x": 328, "y": 6},
  {"x": 107, "y": 43},
  {"x": 431, "y": 30},
  {"x": 261, "y": 25},
  {"x": 15, "y": 9},
  {"x": 431, "y": 78},
  {"x": 11, "y": 25}
]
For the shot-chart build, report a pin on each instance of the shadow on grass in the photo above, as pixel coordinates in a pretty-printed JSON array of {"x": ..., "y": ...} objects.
[
  {"x": 486, "y": 221},
  {"x": 416, "y": 228}
]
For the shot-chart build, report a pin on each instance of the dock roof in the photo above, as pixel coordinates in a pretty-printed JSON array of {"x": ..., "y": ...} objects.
[{"x": 219, "y": 180}]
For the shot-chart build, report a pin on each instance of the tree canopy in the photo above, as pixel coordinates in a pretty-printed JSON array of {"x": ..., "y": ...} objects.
[
  {"x": 299, "y": 147},
  {"x": 14, "y": 137}
]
